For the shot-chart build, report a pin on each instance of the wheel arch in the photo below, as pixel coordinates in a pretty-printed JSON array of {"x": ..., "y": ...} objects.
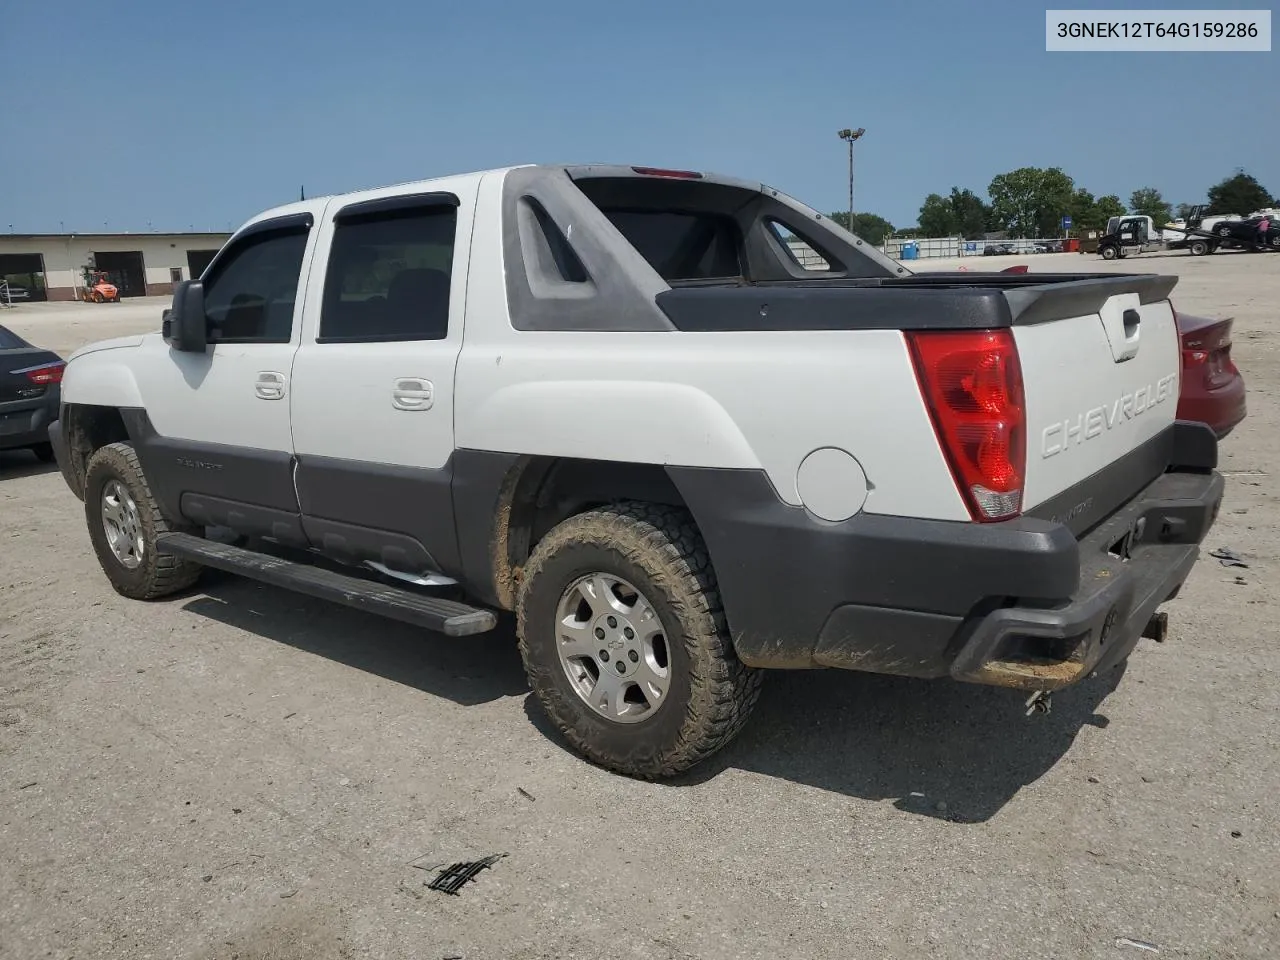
[
  {"x": 537, "y": 493},
  {"x": 87, "y": 428}
]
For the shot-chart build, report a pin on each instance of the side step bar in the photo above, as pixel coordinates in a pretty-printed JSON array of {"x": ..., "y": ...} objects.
[{"x": 449, "y": 617}]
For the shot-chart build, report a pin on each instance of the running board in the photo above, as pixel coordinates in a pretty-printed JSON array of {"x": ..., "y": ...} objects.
[{"x": 449, "y": 617}]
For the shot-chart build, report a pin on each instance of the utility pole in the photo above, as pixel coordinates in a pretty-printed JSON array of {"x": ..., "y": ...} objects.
[{"x": 850, "y": 136}]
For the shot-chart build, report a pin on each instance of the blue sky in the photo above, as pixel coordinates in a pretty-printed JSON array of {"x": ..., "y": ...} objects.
[{"x": 149, "y": 112}]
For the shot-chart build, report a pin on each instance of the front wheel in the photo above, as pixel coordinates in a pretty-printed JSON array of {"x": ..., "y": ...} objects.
[
  {"x": 1109, "y": 252},
  {"x": 124, "y": 523},
  {"x": 625, "y": 643}
]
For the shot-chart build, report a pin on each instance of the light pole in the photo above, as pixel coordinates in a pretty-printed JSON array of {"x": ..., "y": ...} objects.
[{"x": 851, "y": 136}]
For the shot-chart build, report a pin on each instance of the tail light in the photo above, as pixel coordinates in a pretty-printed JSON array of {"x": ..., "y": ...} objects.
[
  {"x": 972, "y": 383},
  {"x": 44, "y": 375},
  {"x": 1208, "y": 352}
]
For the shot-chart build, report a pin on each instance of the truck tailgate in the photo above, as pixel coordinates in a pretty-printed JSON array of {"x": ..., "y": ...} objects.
[{"x": 1098, "y": 386}]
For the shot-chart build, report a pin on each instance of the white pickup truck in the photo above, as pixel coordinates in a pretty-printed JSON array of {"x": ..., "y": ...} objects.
[{"x": 614, "y": 401}]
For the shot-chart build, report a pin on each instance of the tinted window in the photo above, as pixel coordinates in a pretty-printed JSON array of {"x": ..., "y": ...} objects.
[
  {"x": 682, "y": 246},
  {"x": 389, "y": 275},
  {"x": 249, "y": 296},
  {"x": 10, "y": 340}
]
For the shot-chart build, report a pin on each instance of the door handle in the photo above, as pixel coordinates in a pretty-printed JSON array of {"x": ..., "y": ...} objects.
[
  {"x": 412, "y": 393},
  {"x": 269, "y": 386}
]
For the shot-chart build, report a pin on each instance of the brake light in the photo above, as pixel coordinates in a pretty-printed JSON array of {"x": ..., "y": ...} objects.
[
  {"x": 671, "y": 174},
  {"x": 45, "y": 374},
  {"x": 971, "y": 381},
  {"x": 1209, "y": 349}
]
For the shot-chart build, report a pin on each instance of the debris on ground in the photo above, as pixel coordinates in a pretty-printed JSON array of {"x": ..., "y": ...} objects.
[
  {"x": 452, "y": 878},
  {"x": 525, "y": 793},
  {"x": 1228, "y": 558},
  {"x": 1139, "y": 944}
]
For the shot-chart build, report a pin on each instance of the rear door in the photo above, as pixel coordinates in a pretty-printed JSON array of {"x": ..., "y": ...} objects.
[{"x": 372, "y": 396}]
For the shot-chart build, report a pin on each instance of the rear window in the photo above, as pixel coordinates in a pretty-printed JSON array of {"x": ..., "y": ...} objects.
[
  {"x": 682, "y": 246},
  {"x": 10, "y": 340}
]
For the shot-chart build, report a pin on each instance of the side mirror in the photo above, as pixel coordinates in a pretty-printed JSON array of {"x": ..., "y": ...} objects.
[{"x": 185, "y": 327}]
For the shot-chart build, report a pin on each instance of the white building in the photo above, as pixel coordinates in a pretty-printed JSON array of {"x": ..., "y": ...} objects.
[{"x": 51, "y": 266}]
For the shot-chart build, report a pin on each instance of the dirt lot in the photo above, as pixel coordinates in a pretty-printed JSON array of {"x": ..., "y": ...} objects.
[{"x": 242, "y": 773}]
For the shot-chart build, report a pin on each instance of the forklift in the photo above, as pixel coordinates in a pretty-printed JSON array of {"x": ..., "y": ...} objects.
[{"x": 95, "y": 287}]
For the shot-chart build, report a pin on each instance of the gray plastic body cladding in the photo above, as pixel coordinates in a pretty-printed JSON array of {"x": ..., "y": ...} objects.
[
  {"x": 356, "y": 511},
  {"x": 782, "y": 573},
  {"x": 894, "y": 594},
  {"x": 396, "y": 515},
  {"x": 247, "y": 475},
  {"x": 619, "y": 296}
]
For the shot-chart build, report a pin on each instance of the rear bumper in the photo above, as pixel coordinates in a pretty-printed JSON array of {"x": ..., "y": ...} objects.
[
  {"x": 27, "y": 427},
  {"x": 1025, "y": 603},
  {"x": 1222, "y": 409},
  {"x": 1130, "y": 565}
]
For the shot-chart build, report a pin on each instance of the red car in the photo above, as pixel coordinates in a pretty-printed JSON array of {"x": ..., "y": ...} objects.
[{"x": 1212, "y": 387}]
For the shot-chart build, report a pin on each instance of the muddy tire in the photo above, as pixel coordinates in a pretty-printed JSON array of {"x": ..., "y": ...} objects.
[
  {"x": 124, "y": 522},
  {"x": 681, "y": 694}
]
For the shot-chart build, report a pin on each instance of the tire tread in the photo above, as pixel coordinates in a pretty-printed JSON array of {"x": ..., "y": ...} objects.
[{"x": 664, "y": 541}]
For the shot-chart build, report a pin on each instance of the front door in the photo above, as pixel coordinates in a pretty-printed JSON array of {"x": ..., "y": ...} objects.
[
  {"x": 218, "y": 448},
  {"x": 372, "y": 394}
]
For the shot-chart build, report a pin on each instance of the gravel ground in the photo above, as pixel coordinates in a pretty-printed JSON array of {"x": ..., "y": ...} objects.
[{"x": 243, "y": 773}]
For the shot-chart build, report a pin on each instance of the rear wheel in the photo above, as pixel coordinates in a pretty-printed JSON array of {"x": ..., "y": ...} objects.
[
  {"x": 124, "y": 523},
  {"x": 1199, "y": 248},
  {"x": 626, "y": 645}
]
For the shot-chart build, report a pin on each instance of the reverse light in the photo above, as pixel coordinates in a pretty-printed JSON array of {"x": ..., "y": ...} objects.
[
  {"x": 971, "y": 381},
  {"x": 44, "y": 375}
]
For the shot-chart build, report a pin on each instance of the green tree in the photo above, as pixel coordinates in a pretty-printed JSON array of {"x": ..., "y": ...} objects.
[
  {"x": 1241, "y": 194},
  {"x": 868, "y": 226},
  {"x": 1030, "y": 201},
  {"x": 1146, "y": 201},
  {"x": 937, "y": 219},
  {"x": 969, "y": 213},
  {"x": 1083, "y": 210},
  {"x": 1108, "y": 207}
]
